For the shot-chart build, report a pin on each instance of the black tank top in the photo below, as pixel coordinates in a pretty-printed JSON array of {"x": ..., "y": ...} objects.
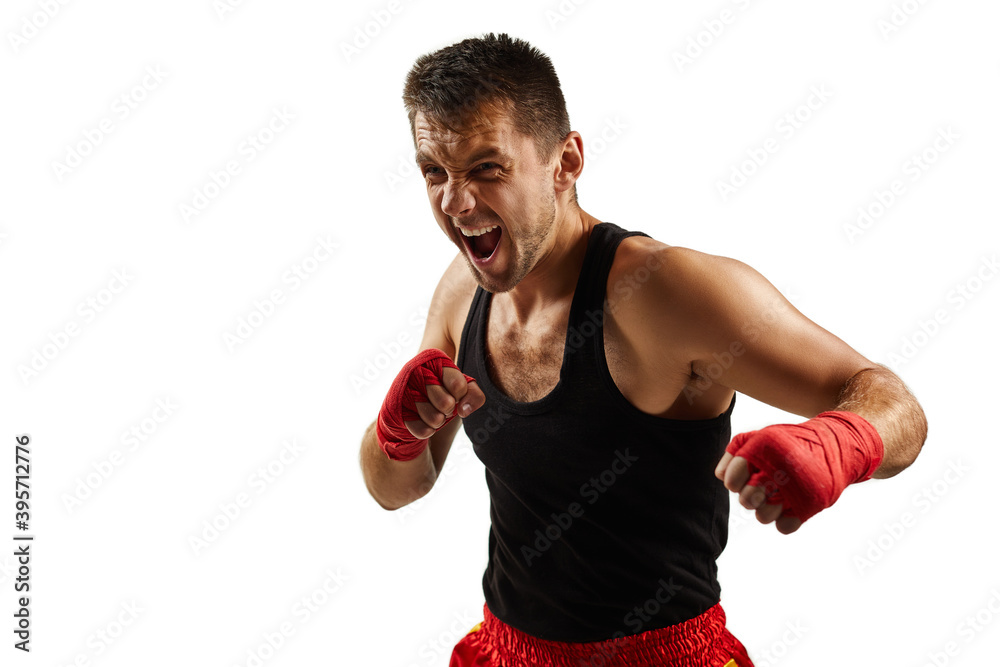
[{"x": 606, "y": 520}]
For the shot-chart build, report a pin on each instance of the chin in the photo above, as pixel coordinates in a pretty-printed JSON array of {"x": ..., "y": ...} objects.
[{"x": 486, "y": 283}]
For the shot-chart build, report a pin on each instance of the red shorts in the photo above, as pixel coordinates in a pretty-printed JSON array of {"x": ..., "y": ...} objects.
[{"x": 702, "y": 641}]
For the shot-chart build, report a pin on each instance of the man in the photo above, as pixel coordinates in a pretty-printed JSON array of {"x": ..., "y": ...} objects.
[{"x": 598, "y": 375}]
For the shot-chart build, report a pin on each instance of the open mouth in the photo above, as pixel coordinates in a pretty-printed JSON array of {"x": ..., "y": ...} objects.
[{"x": 483, "y": 244}]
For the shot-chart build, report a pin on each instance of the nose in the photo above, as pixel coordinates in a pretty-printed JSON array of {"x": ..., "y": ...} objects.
[{"x": 457, "y": 200}]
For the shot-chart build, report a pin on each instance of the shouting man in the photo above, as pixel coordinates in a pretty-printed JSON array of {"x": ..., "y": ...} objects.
[{"x": 595, "y": 372}]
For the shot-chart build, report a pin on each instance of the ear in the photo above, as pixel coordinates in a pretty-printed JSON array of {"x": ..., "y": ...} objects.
[{"x": 569, "y": 162}]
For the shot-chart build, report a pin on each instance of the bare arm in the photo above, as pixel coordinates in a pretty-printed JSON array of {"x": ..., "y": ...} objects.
[
  {"x": 785, "y": 359},
  {"x": 879, "y": 396},
  {"x": 781, "y": 357},
  {"x": 394, "y": 484}
]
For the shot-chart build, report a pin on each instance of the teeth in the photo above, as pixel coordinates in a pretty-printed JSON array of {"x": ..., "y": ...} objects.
[{"x": 478, "y": 232}]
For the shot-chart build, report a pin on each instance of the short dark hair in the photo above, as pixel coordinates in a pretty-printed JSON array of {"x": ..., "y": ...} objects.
[{"x": 462, "y": 83}]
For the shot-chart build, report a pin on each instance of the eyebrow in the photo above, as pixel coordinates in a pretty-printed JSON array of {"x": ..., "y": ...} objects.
[{"x": 485, "y": 153}]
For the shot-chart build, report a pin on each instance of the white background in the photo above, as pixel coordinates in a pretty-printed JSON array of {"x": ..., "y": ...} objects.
[{"x": 410, "y": 581}]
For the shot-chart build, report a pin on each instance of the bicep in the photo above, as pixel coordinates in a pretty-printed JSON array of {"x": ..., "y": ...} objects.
[{"x": 748, "y": 336}]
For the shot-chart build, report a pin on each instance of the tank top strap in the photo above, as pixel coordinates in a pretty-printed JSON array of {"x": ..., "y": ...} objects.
[
  {"x": 467, "y": 357},
  {"x": 586, "y": 318}
]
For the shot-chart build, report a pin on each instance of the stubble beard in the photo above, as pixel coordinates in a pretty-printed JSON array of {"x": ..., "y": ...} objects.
[{"x": 524, "y": 254}]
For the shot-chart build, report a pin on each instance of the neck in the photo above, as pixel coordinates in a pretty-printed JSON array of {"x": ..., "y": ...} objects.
[{"x": 553, "y": 279}]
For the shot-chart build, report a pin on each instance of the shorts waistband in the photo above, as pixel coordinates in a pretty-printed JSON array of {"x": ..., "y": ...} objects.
[{"x": 702, "y": 641}]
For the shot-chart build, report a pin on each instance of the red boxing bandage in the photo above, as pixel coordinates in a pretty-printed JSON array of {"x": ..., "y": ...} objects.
[
  {"x": 807, "y": 466},
  {"x": 408, "y": 389}
]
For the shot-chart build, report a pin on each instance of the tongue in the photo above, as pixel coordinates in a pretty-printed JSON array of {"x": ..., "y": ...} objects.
[{"x": 485, "y": 244}]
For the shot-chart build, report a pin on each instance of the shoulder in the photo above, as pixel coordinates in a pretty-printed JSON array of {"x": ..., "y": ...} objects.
[
  {"x": 668, "y": 271},
  {"x": 676, "y": 270},
  {"x": 678, "y": 290},
  {"x": 449, "y": 307}
]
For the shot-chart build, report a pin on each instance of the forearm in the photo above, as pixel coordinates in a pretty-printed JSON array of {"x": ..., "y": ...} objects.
[
  {"x": 394, "y": 484},
  {"x": 878, "y": 395}
]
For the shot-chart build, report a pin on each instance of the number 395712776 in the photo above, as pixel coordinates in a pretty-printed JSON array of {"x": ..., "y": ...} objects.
[{"x": 22, "y": 487}]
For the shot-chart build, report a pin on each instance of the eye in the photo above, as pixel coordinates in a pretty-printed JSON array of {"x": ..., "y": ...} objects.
[
  {"x": 432, "y": 171},
  {"x": 488, "y": 166}
]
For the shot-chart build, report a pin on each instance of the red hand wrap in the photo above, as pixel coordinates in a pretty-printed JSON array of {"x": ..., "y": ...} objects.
[
  {"x": 807, "y": 466},
  {"x": 408, "y": 389}
]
